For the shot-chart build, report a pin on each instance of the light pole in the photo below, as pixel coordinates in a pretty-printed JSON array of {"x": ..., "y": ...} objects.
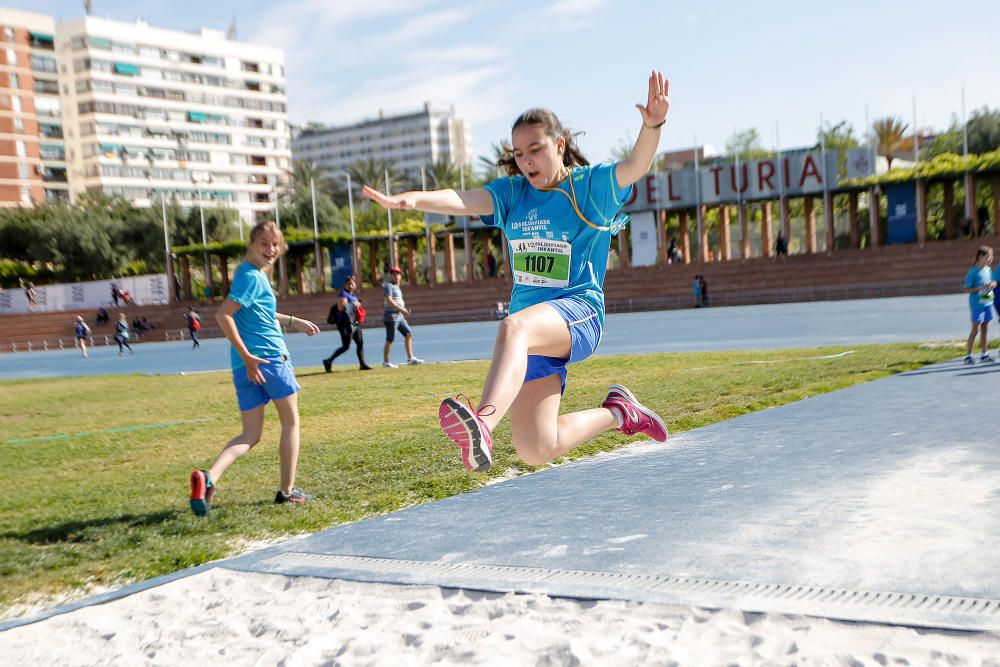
[
  {"x": 350, "y": 207},
  {"x": 320, "y": 278}
]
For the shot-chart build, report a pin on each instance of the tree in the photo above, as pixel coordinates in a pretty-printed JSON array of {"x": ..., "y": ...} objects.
[
  {"x": 840, "y": 138},
  {"x": 443, "y": 174},
  {"x": 746, "y": 145},
  {"x": 983, "y": 131},
  {"x": 488, "y": 169},
  {"x": 888, "y": 133},
  {"x": 371, "y": 172}
]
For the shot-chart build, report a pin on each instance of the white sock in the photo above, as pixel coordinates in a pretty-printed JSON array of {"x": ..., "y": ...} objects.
[{"x": 618, "y": 416}]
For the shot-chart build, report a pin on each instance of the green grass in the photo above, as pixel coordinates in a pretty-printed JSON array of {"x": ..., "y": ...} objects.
[{"x": 103, "y": 508}]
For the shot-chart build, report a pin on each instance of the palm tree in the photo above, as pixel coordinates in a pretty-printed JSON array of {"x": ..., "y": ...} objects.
[
  {"x": 488, "y": 163},
  {"x": 443, "y": 174},
  {"x": 371, "y": 172},
  {"x": 304, "y": 171},
  {"x": 888, "y": 134}
]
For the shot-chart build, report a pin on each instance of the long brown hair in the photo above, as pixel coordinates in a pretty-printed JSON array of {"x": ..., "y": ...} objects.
[{"x": 549, "y": 122}]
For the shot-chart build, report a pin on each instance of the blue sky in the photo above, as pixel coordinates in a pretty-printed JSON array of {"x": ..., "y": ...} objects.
[{"x": 732, "y": 65}]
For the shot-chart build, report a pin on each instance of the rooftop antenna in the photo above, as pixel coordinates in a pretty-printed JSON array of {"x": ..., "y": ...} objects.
[
  {"x": 231, "y": 30},
  {"x": 88, "y": 5}
]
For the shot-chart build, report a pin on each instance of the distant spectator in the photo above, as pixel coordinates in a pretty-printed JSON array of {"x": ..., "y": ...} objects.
[
  {"x": 697, "y": 291},
  {"x": 781, "y": 246},
  {"x": 704, "y": 291},
  {"x": 137, "y": 327},
  {"x": 102, "y": 316},
  {"x": 674, "y": 255},
  {"x": 501, "y": 311},
  {"x": 114, "y": 293},
  {"x": 348, "y": 314},
  {"x": 82, "y": 333},
  {"x": 491, "y": 265},
  {"x": 193, "y": 320},
  {"x": 146, "y": 325},
  {"x": 121, "y": 335},
  {"x": 29, "y": 293},
  {"x": 177, "y": 288},
  {"x": 394, "y": 318},
  {"x": 983, "y": 215},
  {"x": 979, "y": 285}
]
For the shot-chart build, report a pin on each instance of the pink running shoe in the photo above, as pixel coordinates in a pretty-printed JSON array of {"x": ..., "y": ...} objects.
[
  {"x": 464, "y": 427},
  {"x": 636, "y": 417}
]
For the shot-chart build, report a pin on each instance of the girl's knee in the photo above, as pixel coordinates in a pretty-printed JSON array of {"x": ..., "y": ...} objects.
[
  {"x": 510, "y": 328},
  {"x": 534, "y": 454}
]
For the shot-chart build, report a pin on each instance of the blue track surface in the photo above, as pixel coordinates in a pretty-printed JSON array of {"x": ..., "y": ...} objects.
[{"x": 733, "y": 328}]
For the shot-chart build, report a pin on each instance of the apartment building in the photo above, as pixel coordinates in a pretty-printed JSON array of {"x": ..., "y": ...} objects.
[
  {"x": 409, "y": 141},
  {"x": 32, "y": 153},
  {"x": 153, "y": 113}
]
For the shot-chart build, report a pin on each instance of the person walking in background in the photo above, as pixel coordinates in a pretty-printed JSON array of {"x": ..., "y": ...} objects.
[
  {"x": 102, "y": 316},
  {"x": 82, "y": 332},
  {"x": 121, "y": 335},
  {"x": 697, "y": 291},
  {"x": 346, "y": 315},
  {"x": 979, "y": 284},
  {"x": 262, "y": 372},
  {"x": 703, "y": 285},
  {"x": 559, "y": 214},
  {"x": 193, "y": 320},
  {"x": 394, "y": 317},
  {"x": 29, "y": 294},
  {"x": 114, "y": 293},
  {"x": 780, "y": 246}
]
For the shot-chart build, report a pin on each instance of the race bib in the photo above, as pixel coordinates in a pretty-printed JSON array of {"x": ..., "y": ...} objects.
[{"x": 541, "y": 262}]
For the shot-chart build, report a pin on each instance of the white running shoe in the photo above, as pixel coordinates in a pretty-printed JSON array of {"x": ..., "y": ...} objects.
[
  {"x": 389, "y": 364},
  {"x": 414, "y": 361}
]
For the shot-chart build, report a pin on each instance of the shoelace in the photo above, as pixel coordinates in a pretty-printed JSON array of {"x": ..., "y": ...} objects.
[
  {"x": 630, "y": 418},
  {"x": 481, "y": 412}
]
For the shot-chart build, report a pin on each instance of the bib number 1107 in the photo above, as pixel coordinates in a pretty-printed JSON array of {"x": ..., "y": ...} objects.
[{"x": 541, "y": 263}]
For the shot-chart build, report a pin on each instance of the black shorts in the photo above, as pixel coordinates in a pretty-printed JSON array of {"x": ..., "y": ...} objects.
[{"x": 392, "y": 325}]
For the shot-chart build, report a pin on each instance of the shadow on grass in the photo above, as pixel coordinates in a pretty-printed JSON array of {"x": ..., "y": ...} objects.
[{"x": 75, "y": 531}]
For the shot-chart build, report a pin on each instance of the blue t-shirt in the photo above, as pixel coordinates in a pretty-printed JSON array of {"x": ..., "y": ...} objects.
[
  {"x": 553, "y": 252},
  {"x": 255, "y": 320},
  {"x": 975, "y": 278}
]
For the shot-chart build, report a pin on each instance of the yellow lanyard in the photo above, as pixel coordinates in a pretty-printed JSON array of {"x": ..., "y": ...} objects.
[{"x": 572, "y": 201}]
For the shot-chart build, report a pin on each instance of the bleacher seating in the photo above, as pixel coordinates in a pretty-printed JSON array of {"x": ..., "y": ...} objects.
[{"x": 933, "y": 268}]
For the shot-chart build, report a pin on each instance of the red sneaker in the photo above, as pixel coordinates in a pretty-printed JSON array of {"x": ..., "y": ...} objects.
[
  {"x": 202, "y": 492},
  {"x": 465, "y": 428},
  {"x": 636, "y": 417}
]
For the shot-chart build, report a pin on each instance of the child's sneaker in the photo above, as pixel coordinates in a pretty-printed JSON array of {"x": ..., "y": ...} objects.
[
  {"x": 389, "y": 364},
  {"x": 465, "y": 428},
  {"x": 296, "y": 496},
  {"x": 202, "y": 492},
  {"x": 634, "y": 416},
  {"x": 414, "y": 361},
  {"x": 986, "y": 359},
  {"x": 968, "y": 359}
]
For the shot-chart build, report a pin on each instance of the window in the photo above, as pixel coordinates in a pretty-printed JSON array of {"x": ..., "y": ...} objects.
[
  {"x": 22, "y": 170},
  {"x": 19, "y": 144},
  {"x": 8, "y": 34},
  {"x": 127, "y": 69},
  {"x": 43, "y": 63},
  {"x": 45, "y": 87},
  {"x": 11, "y": 56},
  {"x": 18, "y": 125},
  {"x": 39, "y": 40},
  {"x": 16, "y": 102}
]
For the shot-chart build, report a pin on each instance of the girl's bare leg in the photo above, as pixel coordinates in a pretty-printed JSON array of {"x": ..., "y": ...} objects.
[
  {"x": 253, "y": 426},
  {"x": 539, "y": 329},
  {"x": 540, "y": 434},
  {"x": 288, "y": 413},
  {"x": 972, "y": 340}
]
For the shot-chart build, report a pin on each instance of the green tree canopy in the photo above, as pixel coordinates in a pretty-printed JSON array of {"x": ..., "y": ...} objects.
[
  {"x": 746, "y": 144},
  {"x": 983, "y": 130}
]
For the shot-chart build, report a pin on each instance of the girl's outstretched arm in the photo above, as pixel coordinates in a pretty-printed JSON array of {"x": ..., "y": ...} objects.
[
  {"x": 448, "y": 202},
  {"x": 654, "y": 114}
]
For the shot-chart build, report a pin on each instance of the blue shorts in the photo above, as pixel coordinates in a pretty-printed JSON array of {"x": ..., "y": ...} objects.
[
  {"x": 279, "y": 382},
  {"x": 398, "y": 322},
  {"x": 982, "y": 314},
  {"x": 585, "y": 333}
]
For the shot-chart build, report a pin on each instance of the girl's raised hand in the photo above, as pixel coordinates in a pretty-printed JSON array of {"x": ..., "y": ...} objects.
[
  {"x": 658, "y": 101},
  {"x": 386, "y": 201}
]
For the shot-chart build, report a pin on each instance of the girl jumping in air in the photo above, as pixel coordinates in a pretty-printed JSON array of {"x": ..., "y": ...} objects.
[
  {"x": 261, "y": 369},
  {"x": 558, "y": 213}
]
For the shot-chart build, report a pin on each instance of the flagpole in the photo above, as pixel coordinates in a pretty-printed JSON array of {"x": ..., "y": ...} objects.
[
  {"x": 392, "y": 258},
  {"x": 702, "y": 252}
]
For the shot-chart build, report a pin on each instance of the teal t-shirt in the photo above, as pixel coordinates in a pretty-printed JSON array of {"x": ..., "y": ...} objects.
[
  {"x": 255, "y": 320},
  {"x": 553, "y": 252},
  {"x": 975, "y": 278}
]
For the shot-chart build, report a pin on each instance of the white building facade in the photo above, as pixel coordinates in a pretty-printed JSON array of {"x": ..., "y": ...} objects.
[
  {"x": 150, "y": 113},
  {"x": 409, "y": 141}
]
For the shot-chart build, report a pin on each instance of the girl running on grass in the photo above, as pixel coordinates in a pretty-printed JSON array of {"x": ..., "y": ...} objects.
[
  {"x": 559, "y": 214},
  {"x": 261, "y": 369}
]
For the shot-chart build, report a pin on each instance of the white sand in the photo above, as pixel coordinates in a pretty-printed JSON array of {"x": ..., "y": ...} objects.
[{"x": 222, "y": 617}]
